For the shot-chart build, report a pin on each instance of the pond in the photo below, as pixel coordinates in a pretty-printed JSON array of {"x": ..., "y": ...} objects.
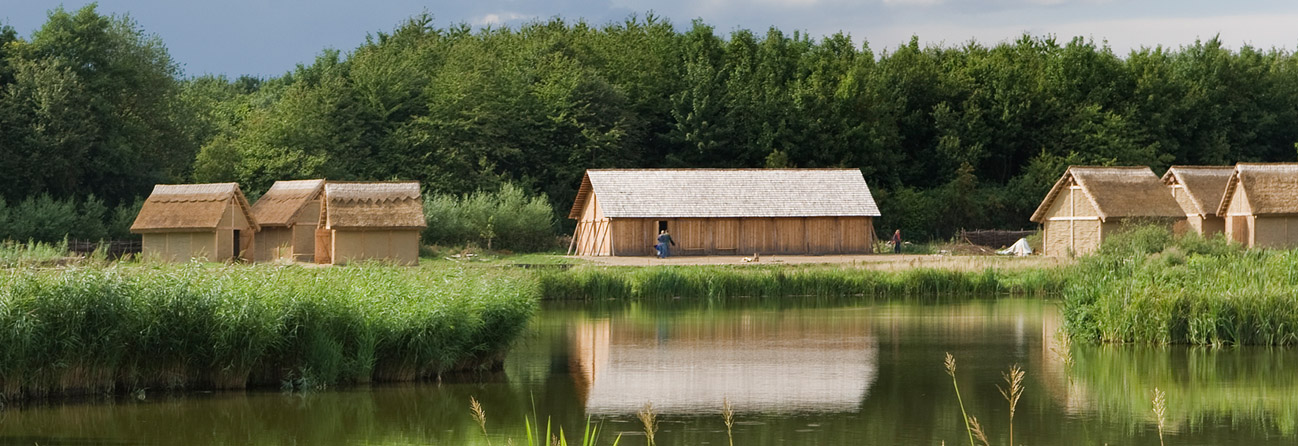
[{"x": 799, "y": 371}]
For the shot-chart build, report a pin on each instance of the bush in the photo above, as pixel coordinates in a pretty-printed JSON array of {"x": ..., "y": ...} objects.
[
  {"x": 505, "y": 219},
  {"x": 47, "y": 219}
]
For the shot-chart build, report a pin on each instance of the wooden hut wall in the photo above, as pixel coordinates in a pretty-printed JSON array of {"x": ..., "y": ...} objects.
[
  {"x": 397, "y": 246},
  {"x": 234, "y": 220},
  {"x": 1275, "y": 231},
  {"x": 1239, "y": 218},
  {"x": 304, "y": 228},
  {"x": 593, "y": 234},
  {"x": 179, "y": 246},
  {"x": 744, "y": 236},
  {"x": 1072, "y": 224},
  {"x": 273, "y": 243}
]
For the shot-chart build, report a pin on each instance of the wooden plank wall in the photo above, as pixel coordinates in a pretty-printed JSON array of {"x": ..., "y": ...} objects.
[{"x": 731, "y": 236}]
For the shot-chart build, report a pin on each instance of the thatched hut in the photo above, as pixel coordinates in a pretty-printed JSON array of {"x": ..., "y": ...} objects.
[
  {"x": 1260, "y": 205},
  {"x": 620, "y": 212},
  {"x": 1090, "y": 203},
  {"x": 370, "y": 221},
  {"x": 179, "y": 222},
  {"x": 289, "y": 214},
  {"x": 1199, "y": 189}
]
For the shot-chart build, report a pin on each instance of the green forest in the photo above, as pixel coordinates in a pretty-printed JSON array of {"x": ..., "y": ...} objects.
[{"x": 94, "y": 111}]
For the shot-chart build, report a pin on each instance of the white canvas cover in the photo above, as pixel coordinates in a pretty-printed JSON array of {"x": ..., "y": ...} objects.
[{"x": 1019, "y": 248}]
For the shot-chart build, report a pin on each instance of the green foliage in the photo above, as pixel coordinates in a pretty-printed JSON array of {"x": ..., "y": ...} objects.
[
  {"x": 116, "y": 329},
  {"x": 591, "y": 282},
  {"x": 91, "y": 107},
  {"x": 1148, "y": 286},
  {"x": 505, "y": 219},
  {"x": 43, "y": 218},
  {"x": 968, "y": 136}
]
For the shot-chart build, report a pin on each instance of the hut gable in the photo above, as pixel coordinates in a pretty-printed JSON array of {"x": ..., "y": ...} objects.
[
  {"x": 1204, "y": 185},
  {"x": 1271, "y": 188},
  {"x": 378, "y": 205},
  {"x": 281, "y": 204},
  {"x": 1115, "y": 192},
  {"x": 710, "y": 193},
  {"x": 189, "y": 207}
]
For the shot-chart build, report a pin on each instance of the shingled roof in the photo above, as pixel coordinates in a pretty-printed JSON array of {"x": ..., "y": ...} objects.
[
  {"x": 281, "y": 204},
  {"x": 188, "y": 207},
  {"x": 1271, "y": 188},
  {"x": 1116, "y": 192},
  {"x": 675, "y": 193},
  {"x": 385, "y": 205},
  {"x": 1205, "y": 185}
]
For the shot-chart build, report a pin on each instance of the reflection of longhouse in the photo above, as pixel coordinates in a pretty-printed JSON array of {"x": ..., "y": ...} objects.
[{"x": 761, "y": 363}]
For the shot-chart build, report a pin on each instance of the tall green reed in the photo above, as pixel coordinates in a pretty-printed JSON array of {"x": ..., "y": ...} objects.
[{"x": 114, "y": 329}]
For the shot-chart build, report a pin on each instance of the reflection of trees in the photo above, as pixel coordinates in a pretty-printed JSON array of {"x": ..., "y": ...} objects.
[
  {"x": 763, "y": 361},
  {"x": 1248, "y": 387}
]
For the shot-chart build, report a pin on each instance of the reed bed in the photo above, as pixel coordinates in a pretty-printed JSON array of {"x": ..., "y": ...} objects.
[
  {"x": 116, "y": 329},
  {"x": 606, "y": 282},
  {"x": 1150, "y": 287}
]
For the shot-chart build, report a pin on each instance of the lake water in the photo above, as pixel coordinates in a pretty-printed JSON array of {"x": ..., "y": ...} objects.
[{"x": 798, "y": 371}]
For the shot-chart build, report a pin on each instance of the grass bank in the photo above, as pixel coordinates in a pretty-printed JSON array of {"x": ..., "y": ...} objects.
[
  {"x": 1148, "y": 286},
  {"x": 607, "y": 282},
  {"x": 118, "y": 329}
]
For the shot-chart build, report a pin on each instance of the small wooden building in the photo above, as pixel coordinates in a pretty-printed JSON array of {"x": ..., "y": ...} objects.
[
  {"x": 370, "y": 221},
  {"x": 1260, "y": 205},
  {"x": 1199, "y": 189},
  {"x": 620, "y": 212},
  {"x": 289, "y": 214},
  {"x": 179, "y": 222},
  {"x": 1090, "y": 203}
]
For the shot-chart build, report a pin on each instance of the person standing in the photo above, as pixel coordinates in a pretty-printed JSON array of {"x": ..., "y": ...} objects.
[
  {"x": 896, "y": 242},
  {"x": 664, "y": 239}
]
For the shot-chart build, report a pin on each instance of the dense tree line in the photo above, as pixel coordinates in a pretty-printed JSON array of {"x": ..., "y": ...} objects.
[{"x": 967, "y": 136}]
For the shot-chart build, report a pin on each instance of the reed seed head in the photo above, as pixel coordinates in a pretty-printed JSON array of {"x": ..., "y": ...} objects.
[
  {"x": 649, "y": 419},
  {"x": 1160, "y": 411},
  {"x": 727, "y": 412},
  {"x": 1014, "y": 389},
  {"x": 950, "y": 364},
  {"x": 977, "y": 430}
]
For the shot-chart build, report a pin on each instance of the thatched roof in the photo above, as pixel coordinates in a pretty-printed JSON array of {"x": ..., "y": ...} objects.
[
  {"x": 674, "y": 193},
  {"x": 189, "y": 207},
  {"x": 1205, "y": 185},
  {"x": 1271, "y": 188},
  {"x": 1116, "y": 192},
  {"x": 281, "y": 204},
  {"x": 379, "y": 205}
]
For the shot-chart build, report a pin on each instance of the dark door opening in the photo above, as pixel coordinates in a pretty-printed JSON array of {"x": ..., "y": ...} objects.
[
  {"x": 662, "y": 226},
  {"x": 236, "y": 244}
]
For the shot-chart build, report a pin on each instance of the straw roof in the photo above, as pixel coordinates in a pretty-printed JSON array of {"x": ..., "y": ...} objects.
[
  {"x": 285, "y": 199},
  {"x": 189, "y": 207},
  {"x": 385, "y": 205},
  {"x": 1116, "y": 192},
  {"x": 1205, "y": 185},
  {"x": 674, "y": 193},
  {"x": 1271, "y": 188}
]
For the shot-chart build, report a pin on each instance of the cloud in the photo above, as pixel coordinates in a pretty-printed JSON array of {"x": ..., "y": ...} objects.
[
  {"x": 912, "y": 2},
  {"x": 501, "y": 18},
  {"x": 1123, "y": 35}
]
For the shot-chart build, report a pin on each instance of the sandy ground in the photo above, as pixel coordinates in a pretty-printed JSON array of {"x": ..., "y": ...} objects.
[{"x": 888, "y": 262}]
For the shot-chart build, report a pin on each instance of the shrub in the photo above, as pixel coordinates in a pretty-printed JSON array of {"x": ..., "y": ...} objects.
[{"x": 505, "y": 219}]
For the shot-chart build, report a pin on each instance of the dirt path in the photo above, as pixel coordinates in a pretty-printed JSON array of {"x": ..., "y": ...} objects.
[{"x": 888, "y": 262}]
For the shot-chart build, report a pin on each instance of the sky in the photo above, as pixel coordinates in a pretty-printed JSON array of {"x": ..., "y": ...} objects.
[{"x": 270, "y": 37}]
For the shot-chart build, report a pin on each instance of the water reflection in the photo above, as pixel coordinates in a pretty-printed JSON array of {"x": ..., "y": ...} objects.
[
  {"x": 801, "y": 371},
  {"x": 762, "y": 361}
]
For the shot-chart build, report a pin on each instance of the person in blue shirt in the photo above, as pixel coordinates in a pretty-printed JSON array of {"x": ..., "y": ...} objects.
[{"x": 664, "y": 239}]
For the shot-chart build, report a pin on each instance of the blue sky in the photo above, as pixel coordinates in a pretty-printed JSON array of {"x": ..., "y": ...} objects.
[{"x": 269, "y": 37}]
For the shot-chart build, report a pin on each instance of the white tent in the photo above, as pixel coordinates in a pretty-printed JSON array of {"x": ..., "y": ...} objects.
[{"x": 1019, "y": 248}]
